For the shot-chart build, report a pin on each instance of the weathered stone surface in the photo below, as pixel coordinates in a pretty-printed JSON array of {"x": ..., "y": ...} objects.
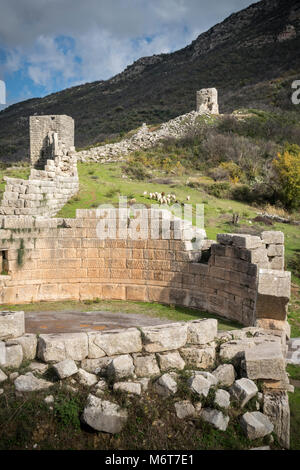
[
  {"x": 14, "y": 355},
  {"x": 60, "y": 346},
  {"x": 13, "y": 376},
  {"x": 203, "y": 358},
  {"x": 144, "y": 383},
  {"x": 49, "y": 399},
  {"x": 207, "y": 375},
  {"x": 114, "y": 342},
  {"x": 270, "y": 237},
  {"x": 103, "y": 415},
  {"x": 86, "y": 378},
  {"x": 265, "y": 361},
  {"x": 202, "y": 331},
  {"x": 129, "y": 387},
  {"x": 216, "y": 418},
  {"x": 200, "y": 385},
  {"x": 164, "y": 337},
  {"x": 96, "y": 366},
  {"x": 29, "y": 345},
  {"x": 256, "y": 425},
  {"x": 12, "y": 324},
  {"x": 225, "y": 375},
  {"x": 243, "y": 390},
  {"x": 166, "y": 385},
  {"x": 235, "y": 350},
  {"x": 2, "y": 353},
  {"x": 121, "y": 367},
  {"x": 38, "y": 367},
  {"x": 30, "y": 383},
  {"x": 276, "y": 408},
  {"x": 261, "y": 448},
  {"x": 65, "y": 368},
  {"x": 3, "y": 376},
  {"x": 184, "y": 409},
  {"x": 222, "y": 398},
  {"x": 273, "y": 294},
  {"x": 170, "y": 360},
  {"x": 145, "y": 366}
]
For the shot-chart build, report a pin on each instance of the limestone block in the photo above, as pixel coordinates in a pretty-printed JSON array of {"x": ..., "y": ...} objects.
[
  {"x": 166, "y": 385},
  {"x": 222, "y": 398},
  {"x": 3, "y": 376},
  {"x": 30, "y": 383},
  {"x": 14, "y": 355},
  {"x": 216, "y": 418},
  {"x": 2, "y": 353},
  {"x": 273, "y": 294},
  {"x": 65, "y": 368},
  {"x": 86, "y": 378},
  {"x": 128, "y": 387},
  {"x": 202, "y": 331},
  {"x": 12, "y": 324},
  {"x": 207, "y": 375},
  {"x": 225, "y": 375},
  {"x": 265, "y": 361},
  {"x": 38, "y": 367},
  {"x": 121, "y": 367},
  {"x": 202, "y": 358},
  {"x": 145, "y": 366},
  {"x": 243, "y": 390},
  {"x": 275, "y": 250},
  {"x": 29, "y": 345},
  {"x": 235, "y": 350},
  {"x": 164, "y": 337},
  {"x": 170, "y": 360},
  {"x": 276, "y": 408},
  {"x": 270, "y": 237},
  {"x": 184, "y": 409},
  {"x": 114, "y": 342},
  {"x": 256, "y": 425},
  {"x": 60, "y": 346},
  {"x": 104, "y": 416},
  {"x": 96, "y": 366},
  {"x": 199, "y": 384}
]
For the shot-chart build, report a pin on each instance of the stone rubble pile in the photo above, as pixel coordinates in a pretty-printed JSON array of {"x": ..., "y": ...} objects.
[{"x": 243, "y": 370}]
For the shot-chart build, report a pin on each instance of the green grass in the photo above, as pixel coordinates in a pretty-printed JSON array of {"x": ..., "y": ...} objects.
[
  {"x": 294, "y": 399},
  {"x": 155, "y": 310}
]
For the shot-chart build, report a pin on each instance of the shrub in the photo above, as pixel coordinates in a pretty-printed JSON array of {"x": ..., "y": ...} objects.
[
  {"x": 287, "y": 168},
  {"x": 136, "y": 170},
  {"x": 294, "y": 264},
  {"x": 220, "y": 190}
]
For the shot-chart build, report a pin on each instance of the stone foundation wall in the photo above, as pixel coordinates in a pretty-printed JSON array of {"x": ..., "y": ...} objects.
[
  {"x": 60, "y": 259},
  {"x": 236, "y": 366}
]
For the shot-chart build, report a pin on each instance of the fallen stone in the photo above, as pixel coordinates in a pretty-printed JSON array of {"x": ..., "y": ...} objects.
[
  {"x": 243, "y": 390},
  {"x": 128, "y": 387},
  {"x": 30, "y": 383},
  {"x": 49, "y": 399},
  {"x": 114, "y": 342},
  {"x": 222, "y": 398},
  {"x": 65, "y": 368},
  {"x": 86, "y": 378},
  {"x": 164, "y": 337},
  {"x": 265, "y": 361},
  {"x": 14, "y": 355},
  {"x": 96, "y": 366},
  {"x": 121, "y": 367},
  {"x": 144, "y": 383},
  {"x": 184, "y": 409},
  {"x": 199, "y": 385},
  {"x": 101, "y": 385},
  {"x": 3, "y": 376},
  {"x": 103, "y": 415},
  {"x": 225, "y": 375},
  {"x": 145, "y": 366},
  {"x": 202, "y": 331},
  {"x": 207, "y": 375},
  {"x": 216, "y": 418},
  {"x": 12, "y": 324},
  {"x": 60, "y": 346},
  {"x": 38, "y": 367},
  {"x": 13, "y": 376},
  {"x": 29, "y": 345},
  {"x": 203, "y": 358},
  {"x": 276, "y": 408},
  {"x": 166, "y": 385},
  {"x": 170, "y": 360},
  {"x": 2, "y": 353},
  {"x": 256, "y": 425}
]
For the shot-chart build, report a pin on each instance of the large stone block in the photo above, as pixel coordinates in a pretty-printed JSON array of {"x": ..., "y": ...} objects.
[
  {"x": 164, "y": 337},
  {"x": 30, "y": 383},
  {"x": 170, "y": 360},
  {"x": 243, "y": 390},
  {"x": 202, "y": 331},
  {"x": 114, "y": 342},
  {"x": 121, "y": 367},
  {"x": 270, "y": 237},
  {"x": 145, "y": 366},
  {"x": 57, "y": 347},
  {"x": 202, "y": 358},
  {"x": 273, "y": 294},
  {"x": 265, "y": 361},
  {"x": 29, "y": 345},
  {"x": 276, "y": 408},
  {"x": 216, "y": 418},
  {"x": 104, "y": 416},
  {"x": 12, "y": 324},
  {"x": 256, "y": 425},
  {"x": 14, "y": 355},
  {"x": 65, "y": 368}
]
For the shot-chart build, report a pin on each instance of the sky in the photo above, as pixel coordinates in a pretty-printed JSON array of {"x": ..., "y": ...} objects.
[{"x": 50, "y": 45}]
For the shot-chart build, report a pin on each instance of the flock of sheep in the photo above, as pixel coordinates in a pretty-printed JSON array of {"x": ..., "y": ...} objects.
[{"x": 163, "y": 198}]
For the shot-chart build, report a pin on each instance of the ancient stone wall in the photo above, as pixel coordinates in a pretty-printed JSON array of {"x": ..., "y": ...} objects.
[
  {"x": 207, "y": 101},
  {"x": 66, "y": 259}
]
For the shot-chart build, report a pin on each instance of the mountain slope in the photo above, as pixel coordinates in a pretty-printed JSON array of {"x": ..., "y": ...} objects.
[{"x": 252, "y": 57}]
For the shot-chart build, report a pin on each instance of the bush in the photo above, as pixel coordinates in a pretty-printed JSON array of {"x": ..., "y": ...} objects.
[
  {"x": 294, "y": 264},
  {"x": 287, "y": 168},
  {"x": 136, "y": 170},
  {"x": 220, "y": 190}
]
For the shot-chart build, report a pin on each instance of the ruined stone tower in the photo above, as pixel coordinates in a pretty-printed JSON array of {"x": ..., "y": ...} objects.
[
  {"x": 207, "y": 101},
  {"x": 41, "y": 128}
]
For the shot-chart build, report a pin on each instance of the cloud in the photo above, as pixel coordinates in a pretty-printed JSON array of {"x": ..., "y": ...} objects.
[{"x": 57, "y": 43}]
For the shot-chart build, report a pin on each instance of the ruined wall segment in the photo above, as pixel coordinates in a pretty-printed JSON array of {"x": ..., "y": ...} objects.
[{"x": 65, "y": 259}]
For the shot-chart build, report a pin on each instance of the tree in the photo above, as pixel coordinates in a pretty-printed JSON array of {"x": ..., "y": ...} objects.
[{"x": 287, "y": 169}]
